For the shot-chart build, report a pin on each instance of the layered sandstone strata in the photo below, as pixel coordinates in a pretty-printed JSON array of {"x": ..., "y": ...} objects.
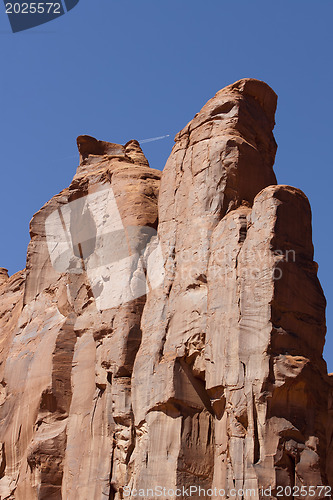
[{"x": 130, "y": 361}]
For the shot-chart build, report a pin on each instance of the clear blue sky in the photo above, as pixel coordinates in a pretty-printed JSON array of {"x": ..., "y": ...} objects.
[{"x": 123, "y": 69}]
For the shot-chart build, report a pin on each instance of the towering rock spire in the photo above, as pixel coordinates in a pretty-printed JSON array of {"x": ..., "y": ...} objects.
[
  {"x": 238, "y": 328},
  {"x": 186, "y": 358}
]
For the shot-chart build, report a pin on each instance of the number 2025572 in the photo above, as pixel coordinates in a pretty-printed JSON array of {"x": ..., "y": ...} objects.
[{"x": 33, "y": 8}]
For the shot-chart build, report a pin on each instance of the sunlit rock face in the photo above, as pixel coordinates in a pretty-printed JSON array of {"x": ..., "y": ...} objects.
[
  {"x": 73, "y": 328},
  {"x": 174, "y": 339}
]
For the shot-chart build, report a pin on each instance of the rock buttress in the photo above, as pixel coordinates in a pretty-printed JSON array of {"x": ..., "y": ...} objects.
[
  {"x": 68, "y": 344},
  {"x": 234, "y": 337}
]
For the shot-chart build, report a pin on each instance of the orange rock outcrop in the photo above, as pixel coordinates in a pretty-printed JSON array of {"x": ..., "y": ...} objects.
[{"x": 168, "y": 328}]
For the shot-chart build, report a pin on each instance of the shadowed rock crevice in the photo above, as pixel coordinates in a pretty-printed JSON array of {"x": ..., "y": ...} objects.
[{"x": 2, "y": 460}]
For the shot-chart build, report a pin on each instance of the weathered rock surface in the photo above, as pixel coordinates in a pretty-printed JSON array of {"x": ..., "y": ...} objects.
[{"x": 191, "y": 359}]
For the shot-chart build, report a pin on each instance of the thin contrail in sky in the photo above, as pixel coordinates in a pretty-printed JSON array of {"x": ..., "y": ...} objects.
[{"x": 154, "y": 139}]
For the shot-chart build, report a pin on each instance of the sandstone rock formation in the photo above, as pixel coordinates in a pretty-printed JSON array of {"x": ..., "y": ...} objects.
[{"x": 191, "y": 358}]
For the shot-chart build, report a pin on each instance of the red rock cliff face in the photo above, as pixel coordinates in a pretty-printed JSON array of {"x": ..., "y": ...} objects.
[{"x": 132, "y": 359}]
